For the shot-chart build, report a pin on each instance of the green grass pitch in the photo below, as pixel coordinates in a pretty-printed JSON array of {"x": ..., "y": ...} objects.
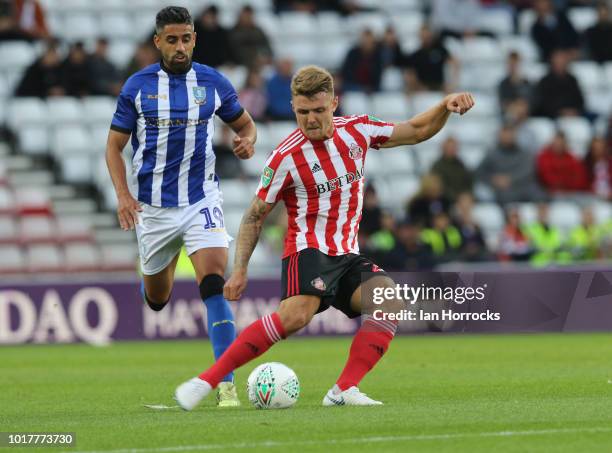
[{"x": 441, "y": 393}]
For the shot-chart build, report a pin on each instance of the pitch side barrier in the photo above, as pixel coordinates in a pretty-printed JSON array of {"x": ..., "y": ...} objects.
[{"x": 489, "y": 299}]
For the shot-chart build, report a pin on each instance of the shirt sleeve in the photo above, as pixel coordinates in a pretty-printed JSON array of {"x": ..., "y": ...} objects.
[
  {"x": 275, "y": 178},
  {"x": 230, "y": 109},
  {"x": 378, "y": 130},
  {"x": 124, "y": 119}
]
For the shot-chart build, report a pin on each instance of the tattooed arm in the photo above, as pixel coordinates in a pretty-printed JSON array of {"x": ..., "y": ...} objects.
[{"x": 248, "y": 235}]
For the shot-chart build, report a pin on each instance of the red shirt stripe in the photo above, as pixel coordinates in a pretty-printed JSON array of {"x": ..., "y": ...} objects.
[{"x": 323, "y": 206}]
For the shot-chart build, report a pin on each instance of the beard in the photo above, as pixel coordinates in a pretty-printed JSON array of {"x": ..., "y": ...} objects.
[{"x": 179, "y": 65}]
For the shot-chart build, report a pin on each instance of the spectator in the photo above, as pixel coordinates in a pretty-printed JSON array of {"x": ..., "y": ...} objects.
[
  {"x": 558, "y": 92},
  {"x": 213, "y": 46},
  {"x": 278, "y": 90},
  {"x": 44, "y": 77},
  {"x": 390, "y": 49},
  {"x": 546, "y": 239},
  {"x": 30, "y": 18},
  {"x": 558, "y": 169},
  {"x": 381, "y": 242},
  {"x": 514, "y": 244},
  {"x": 275, "y": 229},
  {"x": 473, "y": 245},
  {"x": 443, "y": 238},
  {"x": 455, "y": 176},
  {"x": 22, "y": 20},
  {"x": 425, "y": 67},
  {"x": 75, "y": 71},
  {"x": 514, "y": 86},
  {"x": 552, "y": 30},
  {"x": 103, "y": 74},
  {"x": 598, "y": 38},
  {"x": 517, "y": 115},
  {"x": 409, "y": 253},
  {"x": 344, "y": 7},
  {"x": 253, "y": 95},
  {"x": 9, "y": 31},
  {"x": 509, "y": 170},
  {"x": 584, "y": 240},
  {"x": 250, "y": 45},
  {"x": 371, "y": 217},
  {"x": 146, "y": 54},
  {"x": 598, "y": 165},
  {"x": 363, "y": 65},
  {"x": 604, "y": 232},
  {"x": 456, "y": 18},
  {"x": 428, "y": 201}
]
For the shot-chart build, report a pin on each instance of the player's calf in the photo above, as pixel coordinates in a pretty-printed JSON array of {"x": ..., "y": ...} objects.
[{"x": 220, "y": 319}]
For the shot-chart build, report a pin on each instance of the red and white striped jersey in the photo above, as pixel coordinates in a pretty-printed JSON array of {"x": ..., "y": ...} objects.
[{"x": 321, "y": 183}]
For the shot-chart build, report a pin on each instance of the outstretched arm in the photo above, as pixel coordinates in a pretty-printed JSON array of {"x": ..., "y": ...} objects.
[
  {"x": 427, "y": 124},
  {"x": 248, "y": 235}
]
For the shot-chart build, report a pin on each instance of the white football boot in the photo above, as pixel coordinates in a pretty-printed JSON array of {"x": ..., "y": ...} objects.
[
  {"x": 350, "y": 397},
  {"x": 190, "y": 393}
]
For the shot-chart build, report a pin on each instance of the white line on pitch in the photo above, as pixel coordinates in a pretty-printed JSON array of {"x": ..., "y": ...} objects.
[{"x": 353, "y": 440}]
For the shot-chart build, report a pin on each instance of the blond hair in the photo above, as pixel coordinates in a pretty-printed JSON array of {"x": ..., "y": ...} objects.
[{"x": 311, "y": 80}]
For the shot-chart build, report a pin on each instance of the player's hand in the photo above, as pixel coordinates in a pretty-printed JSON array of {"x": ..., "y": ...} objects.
[
  {"x": 235, "y": 286},
  {"x": 459, "y": 102},
  {"x": 127, "y": 211},
  {"x": 243, "y": 147}
]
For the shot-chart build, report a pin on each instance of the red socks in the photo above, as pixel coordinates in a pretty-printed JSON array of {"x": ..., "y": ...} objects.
[
  {"x": 252, "y": 342},
  {"x": 369, "y": 345}
]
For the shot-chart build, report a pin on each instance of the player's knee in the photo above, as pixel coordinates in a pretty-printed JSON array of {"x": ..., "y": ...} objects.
[{"x": 211, "y": 285}]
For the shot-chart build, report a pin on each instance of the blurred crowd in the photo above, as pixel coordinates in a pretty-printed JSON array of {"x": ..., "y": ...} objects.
[
  {"x": 438, "y": 225},
  {"x": 265, "y": 91}
]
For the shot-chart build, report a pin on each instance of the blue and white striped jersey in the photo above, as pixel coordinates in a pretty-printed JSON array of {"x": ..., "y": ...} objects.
[{"x": 170, "y": 118}]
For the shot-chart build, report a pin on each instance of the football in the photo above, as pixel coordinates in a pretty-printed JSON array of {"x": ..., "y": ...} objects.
[{"x": 273, "y": 386}]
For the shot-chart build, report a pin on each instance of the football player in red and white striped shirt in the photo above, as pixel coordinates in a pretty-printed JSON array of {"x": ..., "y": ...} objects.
[{"x": 318, "y": 172}]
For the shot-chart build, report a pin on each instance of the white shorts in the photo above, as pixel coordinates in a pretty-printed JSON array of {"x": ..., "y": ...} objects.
[{"x": 161, "y": 232}]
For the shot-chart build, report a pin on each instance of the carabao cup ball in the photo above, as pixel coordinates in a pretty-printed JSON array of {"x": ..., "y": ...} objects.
[{"x": 273, "y": 385}]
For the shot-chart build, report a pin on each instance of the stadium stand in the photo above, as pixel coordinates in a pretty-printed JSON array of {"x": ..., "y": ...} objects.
[{"x": 56, "y": 199}]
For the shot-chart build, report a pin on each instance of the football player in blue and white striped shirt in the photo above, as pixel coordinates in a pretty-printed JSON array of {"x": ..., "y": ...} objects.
[{"x": 173, "y": 197}]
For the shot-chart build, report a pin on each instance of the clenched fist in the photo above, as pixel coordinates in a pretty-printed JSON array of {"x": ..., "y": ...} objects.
[{"x": 459, "y": 102}]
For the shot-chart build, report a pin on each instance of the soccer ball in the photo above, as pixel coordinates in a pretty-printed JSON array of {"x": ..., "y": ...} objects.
[{"x": 273, "y": 386}]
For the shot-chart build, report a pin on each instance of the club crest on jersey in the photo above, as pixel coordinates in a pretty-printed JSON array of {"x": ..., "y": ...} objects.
[
  {"x": 319, "y": 284},
  {"x": 266, "y": 178},
  {"x": 355, "y": 152},
  {"x": 199, "y": 95}
]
